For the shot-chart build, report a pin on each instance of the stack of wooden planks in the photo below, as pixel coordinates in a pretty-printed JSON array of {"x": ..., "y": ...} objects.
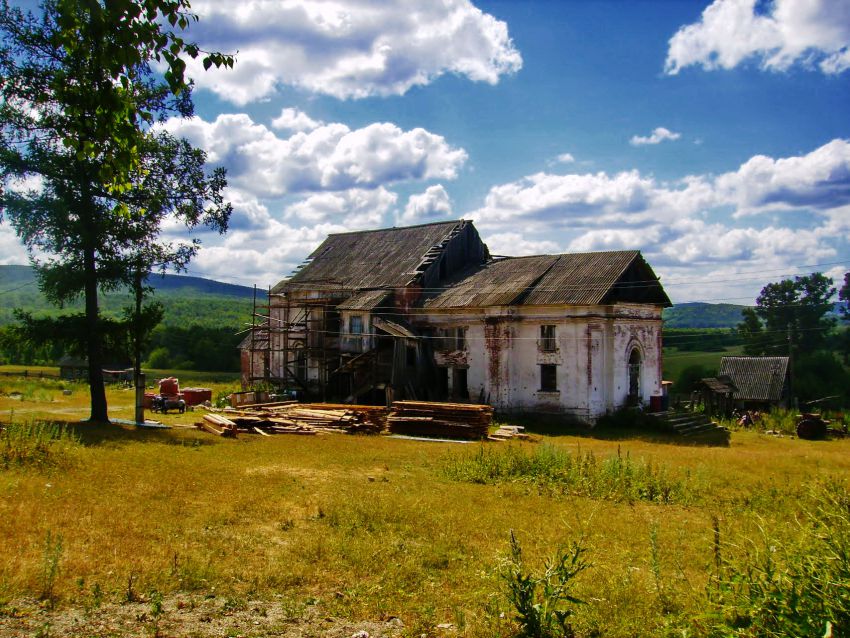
[
  {"x": 446, "y": 420},
  {"x": 296, "y": 418}
]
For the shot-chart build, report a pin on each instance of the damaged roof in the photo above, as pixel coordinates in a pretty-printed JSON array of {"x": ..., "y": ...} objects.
[
  {"x": 756, "y": 378},
  {"x": 369, "y": 259},
  {"x": 571, "y": 279}
]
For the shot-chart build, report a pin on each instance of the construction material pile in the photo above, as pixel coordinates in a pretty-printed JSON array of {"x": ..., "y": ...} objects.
[
  {"x": 291, "y": 417},
  {"x": 448, "y": 420}
]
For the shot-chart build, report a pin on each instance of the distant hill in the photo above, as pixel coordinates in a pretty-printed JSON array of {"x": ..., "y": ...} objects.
[
  {"x": 187, "y": 300},
  {"x": 703, "y": 315}
]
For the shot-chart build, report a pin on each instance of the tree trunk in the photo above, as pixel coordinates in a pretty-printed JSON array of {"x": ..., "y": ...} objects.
[{"x": 95, "y": 340}]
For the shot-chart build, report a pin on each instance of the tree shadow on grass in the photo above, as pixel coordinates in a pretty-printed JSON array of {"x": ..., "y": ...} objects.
[
  {"x": 112, "y": 434},
  {"x": 620, "y": 426}
]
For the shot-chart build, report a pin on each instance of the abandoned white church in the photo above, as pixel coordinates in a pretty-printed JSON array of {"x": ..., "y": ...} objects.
[{"x": 426, "y": 312}]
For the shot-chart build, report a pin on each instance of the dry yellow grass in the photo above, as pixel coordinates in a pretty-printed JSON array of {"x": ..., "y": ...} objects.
[{"x": 369, "y": 525}]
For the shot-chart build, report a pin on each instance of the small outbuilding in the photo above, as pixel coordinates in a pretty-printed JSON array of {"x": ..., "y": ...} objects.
[{"x": 759, "y": 383}]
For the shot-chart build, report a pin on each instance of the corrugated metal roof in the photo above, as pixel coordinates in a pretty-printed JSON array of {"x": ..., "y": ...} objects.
[
  {"x": 756, "y": 378},
  {"x": 365, "y": 300},
  {"x": 581, "y": 278},
  {"x": 497, "y": 283},
  {"x": 570, "y": 279},
  {"x": 384, "y": 258}
]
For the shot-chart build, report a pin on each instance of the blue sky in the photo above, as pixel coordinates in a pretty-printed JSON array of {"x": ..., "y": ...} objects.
[{"x": 714, "y": 137}]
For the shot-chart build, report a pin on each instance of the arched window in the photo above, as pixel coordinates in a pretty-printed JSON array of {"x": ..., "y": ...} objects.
[{"x": 634, "y": 376}]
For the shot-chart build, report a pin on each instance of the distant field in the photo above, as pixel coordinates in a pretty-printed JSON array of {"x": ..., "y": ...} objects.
[
  {"x": 298, "y": 535},
  {"x": 675, "y": 361}
]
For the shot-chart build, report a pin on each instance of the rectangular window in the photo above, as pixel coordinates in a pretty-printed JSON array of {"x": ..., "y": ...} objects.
[
  {"x": 548, "y": 378},
  {"x": 460, "y": 338},
  {"x": 547, "y": 339},
  {"x": 355, "y": 325}
]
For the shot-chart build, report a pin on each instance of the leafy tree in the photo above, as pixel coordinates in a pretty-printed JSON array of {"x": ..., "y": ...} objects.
[
  {"x": 790, "y": 315},
  {"x": 84, "y": 175}
]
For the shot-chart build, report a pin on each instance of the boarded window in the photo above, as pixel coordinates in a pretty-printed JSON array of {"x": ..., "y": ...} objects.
[
  {"x": 547, "y": 338},
  {"x": 548, "y": 378}
]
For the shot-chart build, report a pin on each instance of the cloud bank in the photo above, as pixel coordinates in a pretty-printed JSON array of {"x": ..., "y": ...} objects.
[
  {"x": 348, "y": 48},
  {"x": 777, "y": 35}
]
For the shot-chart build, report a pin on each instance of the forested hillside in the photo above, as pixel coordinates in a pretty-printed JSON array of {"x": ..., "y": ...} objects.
[
  {"x": 703, "y": 315},
  {"x": 198, "y": 331}
]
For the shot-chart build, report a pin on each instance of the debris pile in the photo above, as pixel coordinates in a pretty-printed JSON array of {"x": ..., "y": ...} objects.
[
  {"x": 449, "y": 420},
  {"x": 508, "y": 432},
  {"x": 291, "y": 417}
]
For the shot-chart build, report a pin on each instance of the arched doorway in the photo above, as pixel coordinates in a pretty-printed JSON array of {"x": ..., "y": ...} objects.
[{"x": 634, "y": 377}]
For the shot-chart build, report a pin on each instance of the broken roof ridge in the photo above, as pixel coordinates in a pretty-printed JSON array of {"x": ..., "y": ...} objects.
[
  {"x": 555, "y": 255},
  {"x": 383, "y": 230}
]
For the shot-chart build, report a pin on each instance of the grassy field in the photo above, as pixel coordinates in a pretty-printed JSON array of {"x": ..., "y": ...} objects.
[
  {"x": 114, "y": 531},
  {"x": 675, "y": 361}
]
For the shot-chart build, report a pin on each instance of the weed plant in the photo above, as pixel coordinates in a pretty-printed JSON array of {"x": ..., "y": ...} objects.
[
  {"x": 543, "y": 604},
  {"x": 35, "y": 444},
  {"x": 618, "y": 478}
]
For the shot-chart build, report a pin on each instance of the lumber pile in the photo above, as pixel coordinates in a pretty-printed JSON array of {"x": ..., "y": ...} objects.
[
  {"x": 445, "y": 420},
  {"x": 290, "y": 417}
]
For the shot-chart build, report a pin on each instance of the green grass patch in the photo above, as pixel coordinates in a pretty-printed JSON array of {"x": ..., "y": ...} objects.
[{"x": 618, "y": 478}]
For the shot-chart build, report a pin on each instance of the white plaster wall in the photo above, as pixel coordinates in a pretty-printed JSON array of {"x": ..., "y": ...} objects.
[{"x": 593, "y": 347}]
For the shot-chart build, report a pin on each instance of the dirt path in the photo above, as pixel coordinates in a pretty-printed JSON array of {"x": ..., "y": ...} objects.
[{"x": 185, "y": 617}]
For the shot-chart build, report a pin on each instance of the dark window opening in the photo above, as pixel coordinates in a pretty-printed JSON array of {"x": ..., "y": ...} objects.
[
  {"x": 459, "y": 387},
  {"x": 411, "y": 356},
  {"x": 634, "y": 376},
  {"x": 548, "y": 378},
  {"x": 547, "y": 339}
]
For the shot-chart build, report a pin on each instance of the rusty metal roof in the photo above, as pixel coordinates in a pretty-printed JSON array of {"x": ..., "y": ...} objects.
[
  {"x": 756, "y": 378},
  {"x": 384, "y": 258},
  {"x": 571, "y": 279}
]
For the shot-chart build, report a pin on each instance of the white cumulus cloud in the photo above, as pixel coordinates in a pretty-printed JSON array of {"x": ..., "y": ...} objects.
[
  {"x": 348, "y": 48},
  {"x": 658, "y": 135},
  {"x": 330, "y": 157},
  {"x": 433, "y": 204},
  {"x": 294, "y": 120},
  {"x": 777, "y": 34}
]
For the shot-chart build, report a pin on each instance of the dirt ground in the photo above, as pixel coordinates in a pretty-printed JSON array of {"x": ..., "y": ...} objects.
[{"x": 185, "y": 617}]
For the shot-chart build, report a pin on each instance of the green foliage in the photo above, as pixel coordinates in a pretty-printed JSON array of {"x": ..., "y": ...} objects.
[
  {"x": 793, "y": 584},
  {"x": 790, "y": 313},
  {"x": 543, "y": 604},
  {"x": 821, "y": 374},
  {"x": 77, "y": 101},
  {"x": 37, "y": 444},
  {"x": 689, "y": 378},
  {"x": 616, "y": 478}
]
